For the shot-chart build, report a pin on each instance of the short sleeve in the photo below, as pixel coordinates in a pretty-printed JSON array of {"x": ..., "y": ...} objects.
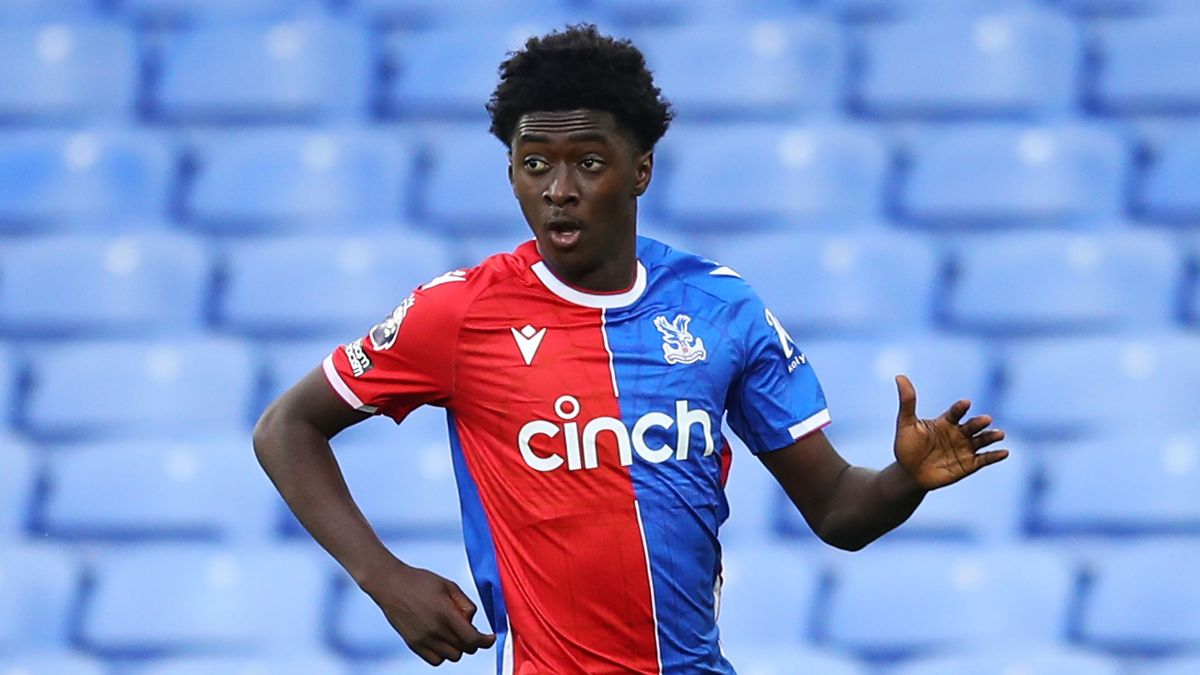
[
  {"x": 404, "y": 361},
  {"x": 776, "y": 398}
]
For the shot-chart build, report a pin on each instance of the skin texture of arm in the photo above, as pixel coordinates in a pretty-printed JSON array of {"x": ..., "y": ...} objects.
[
  {"x": 849, "y": 507},
  {"x": 291, "y": 442}
]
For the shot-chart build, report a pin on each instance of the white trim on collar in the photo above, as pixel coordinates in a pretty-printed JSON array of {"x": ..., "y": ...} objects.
[{"x": 593, "y": 300}]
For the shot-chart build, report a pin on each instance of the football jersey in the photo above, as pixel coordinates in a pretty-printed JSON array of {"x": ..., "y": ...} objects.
[{"x": 586, "y": 437}]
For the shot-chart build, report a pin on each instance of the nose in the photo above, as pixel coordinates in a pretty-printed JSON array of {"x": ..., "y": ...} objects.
[{"x": 562, "y": 189}]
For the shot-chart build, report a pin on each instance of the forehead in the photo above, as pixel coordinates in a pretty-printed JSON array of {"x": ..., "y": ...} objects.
[{"x": 567, "y": 125}]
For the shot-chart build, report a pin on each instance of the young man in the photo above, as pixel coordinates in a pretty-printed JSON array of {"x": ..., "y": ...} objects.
[{"x": 585, "y": 376}]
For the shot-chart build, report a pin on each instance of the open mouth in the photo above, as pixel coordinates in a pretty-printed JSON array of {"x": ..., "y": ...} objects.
[{"x": 564, "y": 232}]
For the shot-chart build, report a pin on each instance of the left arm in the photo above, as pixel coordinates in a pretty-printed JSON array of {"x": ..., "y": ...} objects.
[{"x": 848, "y": 506}]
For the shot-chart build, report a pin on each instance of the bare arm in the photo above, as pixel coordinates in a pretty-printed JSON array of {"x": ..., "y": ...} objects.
[{"x": 291, "y": 441}]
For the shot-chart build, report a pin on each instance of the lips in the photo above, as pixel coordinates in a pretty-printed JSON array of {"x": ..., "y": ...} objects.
[{"x": 564, "y": 232}]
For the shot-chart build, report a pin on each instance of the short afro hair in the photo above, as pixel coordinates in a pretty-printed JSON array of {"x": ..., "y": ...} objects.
[{"x": 577, "y": 69}]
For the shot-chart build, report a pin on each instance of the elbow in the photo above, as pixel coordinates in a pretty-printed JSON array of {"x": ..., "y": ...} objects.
[
  {"x": 843, "y": 540},
  {"x": 266, "y": 430}
]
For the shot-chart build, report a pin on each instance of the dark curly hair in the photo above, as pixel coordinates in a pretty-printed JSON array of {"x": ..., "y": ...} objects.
[{"x": 575, "y": 69}]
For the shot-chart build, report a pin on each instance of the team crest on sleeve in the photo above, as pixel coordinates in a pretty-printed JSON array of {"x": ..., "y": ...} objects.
[
  {"x": 383, "y": 335},
  {"x": 679, "y": 345}
]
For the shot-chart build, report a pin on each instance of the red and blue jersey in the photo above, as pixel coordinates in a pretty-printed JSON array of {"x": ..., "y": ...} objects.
[{"x": 586, "y": 437}]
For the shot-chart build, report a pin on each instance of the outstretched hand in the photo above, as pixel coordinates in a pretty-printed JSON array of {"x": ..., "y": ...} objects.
[{"x": 941, "y": 451}]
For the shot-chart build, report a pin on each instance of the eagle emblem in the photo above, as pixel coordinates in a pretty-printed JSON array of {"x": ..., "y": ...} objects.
[{"x": 679, "y": 345}]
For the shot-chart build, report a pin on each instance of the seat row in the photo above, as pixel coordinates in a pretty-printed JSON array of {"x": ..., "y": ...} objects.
[
  {"x": 165, "y": 599},
  {"x": 823, "y": 176}
]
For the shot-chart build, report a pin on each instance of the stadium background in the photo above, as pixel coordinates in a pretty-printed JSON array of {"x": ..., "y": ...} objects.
[{"x": 199, "y": 198}]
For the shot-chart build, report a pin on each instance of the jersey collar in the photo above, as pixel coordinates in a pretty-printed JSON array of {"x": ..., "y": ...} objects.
[{"x": 593, "y": 300}]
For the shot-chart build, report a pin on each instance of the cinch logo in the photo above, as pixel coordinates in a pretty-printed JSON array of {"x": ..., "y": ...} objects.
[{"x": 580, "y": 449}]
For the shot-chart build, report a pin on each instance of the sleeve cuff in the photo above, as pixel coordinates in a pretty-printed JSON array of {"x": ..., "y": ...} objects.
[
  {"x": 815, "y": 422},
  {"x": 339, "y": 385}
]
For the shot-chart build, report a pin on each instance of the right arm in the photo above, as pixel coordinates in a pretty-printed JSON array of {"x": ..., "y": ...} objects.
[{"x": 291, "y": 442}]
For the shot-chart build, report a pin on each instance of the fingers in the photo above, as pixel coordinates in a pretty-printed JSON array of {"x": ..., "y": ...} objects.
[
  {"x": 985, "y": 458},
  {"x": 908, "y": 401},
  {"x": 975, "y": 425},
  {"x": 461, "y": 601},
  {"x": 956, "y": 412},
  {"x": 987, "y": 438},
  {"x": 467, "y": 637}
]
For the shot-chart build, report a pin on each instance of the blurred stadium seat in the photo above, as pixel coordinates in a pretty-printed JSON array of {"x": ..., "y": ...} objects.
[
  {"x": 466, "y": 185},
  {"x": 286, "y": 71},
  {"x": 138, "y": 387},
  {"x": 746, "y": 69},
  {"x": 286, "y": 179},
  {"x": 1016, "y": 283},
  {"x": 360, "y": 627},
  {"x": 316, "y": 663},
  {"x": 788, "y": 660},
  {"x": 754, "y": 497},
  {"x": 192, "y": 11},
  {"x": 1012, "y": 659},
  {"x": 1168, "y": 187},
  {"x": 38, "y": 587},
  {"x": 51, "y": 663},
  {"x": 1155, "y": 474},
  {"x": 984, "y": 64},
  {"x": 767, "y": 597},
  {"x": 967, "y": 598},
  {"x": 432, "y": 14},
  {"x": 73, "y": 71},
  {"x": 129, "y": 285},
  {"x": 824, "y": 176},
  {"x": 191, "y": 598},
  {"x": 1142, "y": 598},
  {"x": 8, "y": 386},
  {"x": 56, "y": 178},
  {"x": 324, "y": 285},
  {"x": 1091, "y": 384},
  {"x": 211, "y": 488},
  {"x": 481, "y": 663},
  {"x": 1181, "y": 665},
  {"x": 18, "y": 476},
  {"x": 1146, "y": 65},
  {"x": 893, "y": 9},
  {"x": 1008, "y": 174},
  {"x": 878, "y": 283}
]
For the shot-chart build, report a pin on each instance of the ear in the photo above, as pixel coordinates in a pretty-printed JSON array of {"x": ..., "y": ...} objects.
[{"x": 642, "y": 172}]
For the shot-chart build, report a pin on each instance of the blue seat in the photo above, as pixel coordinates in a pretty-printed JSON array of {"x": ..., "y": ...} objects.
[
  {"x": 1024, "y": 659},
  {"x": 38, "y": 594},
  {"x": 1089, "y": 384},
  {"x": 467, "y": 189},
  {"x": 746, "y": 69},
  {"x": 1146, "y": 65},
  {"x": 18, "y": 473},
  {"x": 1006, "y": 62},
  {"x": 132, "y": 285},
  {"x": 1059, "y": 282},
  {"x": 1003, "y": 174},
  {"x": 41, "y": 10},
  {"x": 967, "y": 597},
  {"x": 788, "y": 660},
  {"x": 316, "y": 663},
  {"x": 899, "y": 9},
  {"x": 296, "y": 70},
  {"x": 1180, "y": 665},
  {"x": 191, "y": 598},
  {"x": 287, "y": 362},
  {"x": 289, "y": 179},
  {"x": 480, "y": 663},
  {"x": 359, "y": 627},
  {"x": 759, "y": 610},
  {"x": 753, "y": 495},
  {"x": 1142, "y": 598},
  {"x": 50, "y": 178},
  {"x": 175, "y": 12},
  {"x": 74, "y": 71},
  {"x": 1154, "y": 475},
  {"x": 814, "y": 176},
  {"x": 211, "y": 488},
  {"x": 881, "y": 283},
  {"x": 434, "y": 14},
  {"x": 474, "y": 250},
  {"x": 53, "y": 663},
  {"x": 94, "y": 389},
  {"x": 1168, "y": 190},
  {"x": 324, "y": 285}
]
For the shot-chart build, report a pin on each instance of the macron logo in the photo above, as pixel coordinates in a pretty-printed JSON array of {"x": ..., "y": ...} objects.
[{"x": 528, "y": 340}]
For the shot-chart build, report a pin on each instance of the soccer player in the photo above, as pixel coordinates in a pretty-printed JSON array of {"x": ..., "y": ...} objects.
[{"x": 585, "y": 376}]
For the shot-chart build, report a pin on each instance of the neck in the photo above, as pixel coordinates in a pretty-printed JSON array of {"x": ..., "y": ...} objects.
[{"x": 613, "y": 274}]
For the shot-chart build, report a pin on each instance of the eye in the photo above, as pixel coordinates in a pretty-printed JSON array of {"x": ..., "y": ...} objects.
[
  {"x": 536, "y": 164},
  {"x": 591, "y": 163}
]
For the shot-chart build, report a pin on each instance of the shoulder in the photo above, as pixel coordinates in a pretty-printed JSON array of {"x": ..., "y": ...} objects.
[{"x": 708, "y": 276}]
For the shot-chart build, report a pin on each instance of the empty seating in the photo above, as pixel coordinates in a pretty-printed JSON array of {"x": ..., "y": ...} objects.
[
  {"x": 1090, "y": 384},
  {"x": 467, "y": 186},
  {"x": 1051, "y": 281},
  {"x": 786, "y": 660},
  {"x": 310, "y": 179},
  {"x": 18, "y": 472},
  {"x": 481, "y": 663},
  {"x": 966, "y": 598},
  {"x": 195, "y": 598},
  {"x": 88, "y": 389},
  {"x": 8, "y": 387},
  {"x": 192, "y": 11},
  {"x": 38, "y": 588},
  {"x": 995, "y": 174},
  {"x": 1180, "y": 665},
  {"x": 324, "y": 285},
  {"x": 815, "y": 176},
  {"x": 952, "y": 64},
  {"x": 70, "y": 71},
  {"x": 50, "y": 663},
  {"x": 430, "y": 14},
  {"x": 1146, "y": 65},
  {"x": 748, "y": 69},
  {"x": 315, "y": 663},
  {"x": 880, "y": 283},
  {"x": 53, "y": 178},
  {"x": 287, "y": 71},
  {"x": 1024, "y": 659},
  {"x": 1142, "y": 599},
  {"x": 753, "y": 495},
  {"x": 68, "y": 286},
  {"x": 1168, "y": 188},
  {"x": 758, "y": 610},
  {"x": 211, "y": 488}
]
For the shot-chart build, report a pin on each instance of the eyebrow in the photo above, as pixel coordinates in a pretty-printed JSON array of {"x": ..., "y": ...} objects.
[{"x": 578, "y": 136}]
